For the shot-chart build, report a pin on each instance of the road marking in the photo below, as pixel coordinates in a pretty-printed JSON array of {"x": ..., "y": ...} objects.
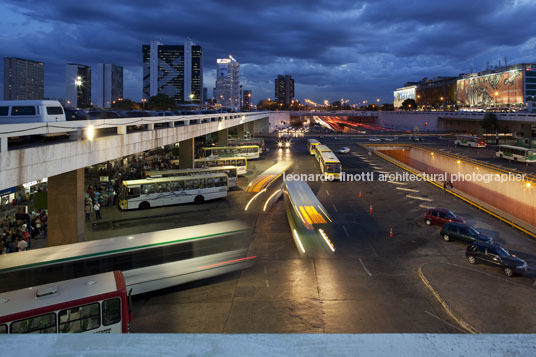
[
  {"x": 364, "y": 267},
  {"x": 397, "y": 183},
  {"x": 348, "y": 235},
  {"x": 267, "y": 283},
  {"x": 445, "y": 322},
  {"x": 335, "y": 208},
  {"x": 419, "y": 198},
  {"x": 327, "y": 192},
  {"x": 383, "y": 172},
  {"x": 422, "y": 205},
  {"x": 407, "y": 189},
  {"x": 447, "y": 309}
]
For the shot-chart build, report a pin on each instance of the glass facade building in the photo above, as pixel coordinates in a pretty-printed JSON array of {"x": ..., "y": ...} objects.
[{"x": 23, "y": 79}]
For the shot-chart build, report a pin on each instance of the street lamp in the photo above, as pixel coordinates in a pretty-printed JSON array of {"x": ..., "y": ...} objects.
[
  {"x": 78, "y": 81},
  {"x": 143, "y": 100},
  {"x": 496, "y": 95},
  {"x": 442, "y": 103}
]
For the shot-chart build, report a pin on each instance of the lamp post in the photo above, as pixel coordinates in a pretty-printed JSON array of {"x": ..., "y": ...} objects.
[
  {"x": 496, "y": 94},
  {"x": 143, "y": 100},
  {"x": 442, "y": 103}
]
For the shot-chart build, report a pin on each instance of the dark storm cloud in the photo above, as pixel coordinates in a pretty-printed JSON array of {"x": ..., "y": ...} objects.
[{"x": 352, "y": 49}]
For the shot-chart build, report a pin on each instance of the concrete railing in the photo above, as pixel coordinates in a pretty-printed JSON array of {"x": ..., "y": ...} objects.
[{"x": 121, "y": 124}]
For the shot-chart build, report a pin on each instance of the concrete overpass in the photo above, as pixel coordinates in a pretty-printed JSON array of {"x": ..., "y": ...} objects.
[{"x": 63, "y": 163}]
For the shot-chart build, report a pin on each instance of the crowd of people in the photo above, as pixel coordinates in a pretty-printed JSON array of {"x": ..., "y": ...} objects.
[{"x": 18, "y": 233}]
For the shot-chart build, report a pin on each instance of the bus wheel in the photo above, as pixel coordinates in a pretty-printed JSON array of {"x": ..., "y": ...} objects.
[
  {"x": 199, "y": 199},
  {"x": 144, "y": 205}
]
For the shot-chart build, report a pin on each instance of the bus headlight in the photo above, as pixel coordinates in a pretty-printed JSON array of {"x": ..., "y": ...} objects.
[
  {"x": 287, "y": 145},
  {"x": 280, "y": 144}
]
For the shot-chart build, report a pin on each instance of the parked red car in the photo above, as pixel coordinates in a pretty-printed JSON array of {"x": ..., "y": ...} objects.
[{"x": 440, "y": 216}]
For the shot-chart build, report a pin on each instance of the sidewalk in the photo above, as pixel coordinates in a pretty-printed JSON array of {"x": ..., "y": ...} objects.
[{"x": 482, "y": 297}]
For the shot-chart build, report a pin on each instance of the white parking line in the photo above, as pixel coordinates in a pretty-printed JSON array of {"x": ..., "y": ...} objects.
[
  {"x": 419, "y": 198},
  {"x": 346, "y": 231},
  {"x": 364, "y": 267},
  {"x": 397, "y": 183},
  {"x": 407, "y": 189},
  {"x": 335, "y": 208},
  {"x": 267, "y": 283},
  {"x": 383, "y": 172},
  {"x": 327, "y": 192},
  {"x": 422, "y": 205},
  {"x": 445, "y": 322}
]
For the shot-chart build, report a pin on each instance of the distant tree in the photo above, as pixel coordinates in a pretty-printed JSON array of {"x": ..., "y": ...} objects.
[
  {"x": 490, "y": 123},
  {"x": 409, "y": 104},
  {"x": 387, "y": 107},
  {"x": 161, "y": 102},
  {"x": 267, "y": 105},
  {"x": 126, "y": 104}
]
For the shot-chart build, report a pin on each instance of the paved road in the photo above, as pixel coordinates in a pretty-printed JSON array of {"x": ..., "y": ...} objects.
[{"x": 370, "y": 285}]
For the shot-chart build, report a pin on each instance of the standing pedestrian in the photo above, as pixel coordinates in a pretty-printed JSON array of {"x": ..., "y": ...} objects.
[
  {"x": 87, "y": 208},
  {"x": 96, "y": 208}
]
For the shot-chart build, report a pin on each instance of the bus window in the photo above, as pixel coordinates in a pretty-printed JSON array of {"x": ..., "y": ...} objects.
[
  {"x": 111, "y": 311},
  {"x": 38, "y": 324},
  {"x": 26, "y": 110},
  {"x": 54, "y": 111},
  {"x": 80, "y": 319},
  {"x": 133, "y": 192},
  {"x": 3, "y": 329},
  {"x": 210, "y": 183},
  {"x": 4, "y": 111}
]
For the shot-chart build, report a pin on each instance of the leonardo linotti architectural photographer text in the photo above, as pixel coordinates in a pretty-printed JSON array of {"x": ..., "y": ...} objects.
[{"x": 406, "y": 176}]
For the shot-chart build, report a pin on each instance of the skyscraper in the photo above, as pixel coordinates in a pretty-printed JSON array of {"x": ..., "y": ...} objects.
[
  {"x": 284, "y": 89},
  {"x": 23, "y": 79},
  {"x": 109, "y": 84},
  {"x": 246, "y": 101},
  {"x": 228, "y": 82},
  {"x": 77, "y": 85},
  {"x": 175, "y": 70}
]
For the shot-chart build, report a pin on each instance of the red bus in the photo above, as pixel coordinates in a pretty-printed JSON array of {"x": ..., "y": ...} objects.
[{"x": 93, "y": 304}]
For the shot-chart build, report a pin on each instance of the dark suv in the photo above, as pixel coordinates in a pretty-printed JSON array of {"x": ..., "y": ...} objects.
[
  {"x": 440, "y": 216},
  {"x": 462, "y": 232},
  {"x": 495, "y": 255}
]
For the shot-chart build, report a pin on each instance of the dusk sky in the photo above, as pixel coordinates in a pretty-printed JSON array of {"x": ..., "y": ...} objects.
[{"x": 334, "y": 49}]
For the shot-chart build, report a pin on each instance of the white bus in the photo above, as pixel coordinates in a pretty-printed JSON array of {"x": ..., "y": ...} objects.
[
  {"x": 247, "y": 151},
  {"x": 311, "y": 143},
  {"x": 245, "y": 142},
  {"x": 470, "y": 141},
  {"x": 516, "y": 153},
  {"x": 93, "y": 304},
  {"x": 230, "y": 171},
  {"x": 167, "y": 191},
  {"x": 330, "y": 165},
  {"x": 241, "y": 163},
  {"x": 31, "y": 111}
]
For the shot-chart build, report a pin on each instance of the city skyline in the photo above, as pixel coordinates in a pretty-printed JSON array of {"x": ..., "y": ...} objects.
[{"x": 347, "y": 50}]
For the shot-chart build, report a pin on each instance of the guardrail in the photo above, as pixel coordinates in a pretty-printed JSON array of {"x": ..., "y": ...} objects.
[{"x": 121, "y": 124}]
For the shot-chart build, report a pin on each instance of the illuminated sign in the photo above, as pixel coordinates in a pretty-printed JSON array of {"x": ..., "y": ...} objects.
[
  {"x": 496, "y": 89},
  {"x": 402, "y": 94}
]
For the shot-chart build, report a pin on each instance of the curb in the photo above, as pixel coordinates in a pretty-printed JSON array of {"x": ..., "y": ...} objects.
[
  {"x": 394, "y": 162},
  {"x": 470, "y": 329}
]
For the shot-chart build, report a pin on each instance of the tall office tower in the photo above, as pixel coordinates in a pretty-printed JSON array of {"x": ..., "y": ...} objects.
[
  {"x": 175, "y": 70},
  {"x": 246, "y": 98},
  {"x": 23, "y": 79},
  {"x": 109, "y": 84},
  {"x": 205, "y": 95},
  {"x": 284, "y": 89},
  {"x": 77, "y": 85},
  {"x": 228, "y": 82}
]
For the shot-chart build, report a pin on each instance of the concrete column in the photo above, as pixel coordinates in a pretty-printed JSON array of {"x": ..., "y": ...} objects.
[
  {"x": 3, "y": 144},
  {"x": 222, "y": 137},
  {"x": 65, "y": 202},
  {"x": 241, "y": 129},
  {"x": 186, "y": 154},
  {"x": 262, "y": 126},
  {"x": 251, "y": 127},
  {"x": 121, "y": 130}
]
